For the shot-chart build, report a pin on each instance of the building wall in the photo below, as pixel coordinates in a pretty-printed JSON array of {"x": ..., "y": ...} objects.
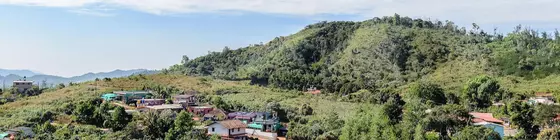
[
  {"x": 22, "y": 86},
  {"x": 259, "y": 133},
  {"x": 220, "y": 130}
]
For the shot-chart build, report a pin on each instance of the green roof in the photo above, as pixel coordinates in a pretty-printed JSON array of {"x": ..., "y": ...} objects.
[
  {"x": 3, "y": 135},
  {"x": 108, "y": 95}
]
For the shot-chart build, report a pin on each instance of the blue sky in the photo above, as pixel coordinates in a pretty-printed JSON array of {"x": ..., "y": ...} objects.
[{"x": 72, "y": 37}]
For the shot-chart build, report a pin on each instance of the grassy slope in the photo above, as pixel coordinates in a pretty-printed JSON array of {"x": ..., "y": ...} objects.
[
  {"x": 254, "y": 97},
  {"x": 454, "y": 74}
]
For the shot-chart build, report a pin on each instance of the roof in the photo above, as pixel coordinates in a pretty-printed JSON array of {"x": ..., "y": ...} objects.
[
  {"x": 230, "y": 124},
  {"x": 166, "y": 106},
  {"x": 26, "y": 131},
  {"x": 2, "y": 135},
  {"x": 23, "y": 81},
  {"x": 314, "y": 92},
  {"x": 201, "y": 107},
  {"x": 242, "y": 115},
  {"x": 131, "y": 92},
  {"x": 556, "y": 118},
  {"x": 215, "y": 112},
  {"x": 148, "y": 100},
  {"x": 183, "y": 96},
  {"x": 484, "y": 117},
  {"x": 543, "y": 94},
  {"x": 109, "y": 95}
]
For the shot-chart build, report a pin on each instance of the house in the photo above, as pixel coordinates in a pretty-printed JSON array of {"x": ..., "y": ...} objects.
[
  {"x": 215, "y": 115},
  {"x": 173, "y": 107},
  {"x": 485, "y": 117},
  {"x": 266, "y": 122},
  {"x": 200, "y": 110},
  {"x": 539, "y": 100},
  {"x": 547, "y": 95},
  {"x": 6, "y": 136},
  {"x": 229, "y": 129},
  {"x": 488, "y": 120},
  {"x": 25, "y": 132},
  {"x": 132, "y": 96},
  {"x": 149, "y": 102},
  {"x": 245, "y": 117},
  {"x": 109, "y": 96},
  {"x": 189, "y": 100},
  {"x": 265, "y": 125},
  {"x": 22, "y": 85},
  {"x": 313, "y": 91}
]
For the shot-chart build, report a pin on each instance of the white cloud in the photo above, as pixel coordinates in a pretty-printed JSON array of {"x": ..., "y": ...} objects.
[{"x": 482, "y": 11}]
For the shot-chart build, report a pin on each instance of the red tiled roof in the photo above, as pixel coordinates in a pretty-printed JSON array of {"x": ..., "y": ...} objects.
[
  {"x": 543, "y": 94},
  {"x": 484, "y": 117},
  {"x": 556, "y": 118},
  {"x": 315, "y": 92}
]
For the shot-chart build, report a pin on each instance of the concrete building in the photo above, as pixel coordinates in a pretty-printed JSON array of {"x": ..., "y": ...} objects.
[
  {"x": 230, "y": 129},
  {"x": 22, "y": 85},
  {"x": 187, "y": 100}
]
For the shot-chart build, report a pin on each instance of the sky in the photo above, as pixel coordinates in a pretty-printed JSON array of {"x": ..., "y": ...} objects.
[{"x": 73, "y": 37}]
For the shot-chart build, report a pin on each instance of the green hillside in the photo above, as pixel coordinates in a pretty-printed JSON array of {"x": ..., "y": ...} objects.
[{"x": 388, "y": 52}]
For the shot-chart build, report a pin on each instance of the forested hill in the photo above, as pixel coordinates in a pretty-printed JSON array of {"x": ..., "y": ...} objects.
[{"x": 388, "y": 52}]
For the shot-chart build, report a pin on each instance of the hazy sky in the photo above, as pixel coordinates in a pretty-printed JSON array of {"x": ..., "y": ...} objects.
[{"x": 72, "y": 37}]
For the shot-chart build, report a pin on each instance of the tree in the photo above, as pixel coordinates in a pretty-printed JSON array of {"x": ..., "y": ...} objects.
[
  {"x": 119, "y": 119},
  {"x": 305, "y": 110},
  {"x": 446, "y": 119},
  {"x": 185, "y": 60},
  {"x": 157, "y": 124},
  {"x": 393, "y": 109},
  {"x": 102, "y": 116},
  {"x": 549, "y": 134},
  {"x": 480, "y": 91},
  {"x": 476, "y": 133},
  {"x": 84, "y": 113},
  {"x": 219, "y": 103},
  {"x": 60, "y": 86},
  {"x": 521, "y": 116},
  {"x": 544, "y": 114},
  {"x": 182, "y": 128},
  {"x": 428, "y": 93},
  {"x": 45, "y": 128}
]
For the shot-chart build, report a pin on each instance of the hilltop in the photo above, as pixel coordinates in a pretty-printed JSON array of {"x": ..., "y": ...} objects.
[{"x": 387, "y": 53}]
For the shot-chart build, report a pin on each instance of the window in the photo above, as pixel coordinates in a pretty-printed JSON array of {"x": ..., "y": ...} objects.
[
  {"x": 238, "y": 129},
  {"x": 17, "y": 83},
  {"x": 213, "y": 129},
  {"x": 231, "y": 130}
]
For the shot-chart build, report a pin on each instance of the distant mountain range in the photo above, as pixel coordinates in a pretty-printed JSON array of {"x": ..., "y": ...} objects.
[
  {"x": 7, "y": 76},
  {"x": 28, "y": 73}
]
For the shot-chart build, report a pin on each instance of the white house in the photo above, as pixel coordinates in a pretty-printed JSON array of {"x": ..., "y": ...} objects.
[
  {"x": 23, "y": 86},
  {"x": 540, "y": 100},
  {"x": 229, "y": 129}
]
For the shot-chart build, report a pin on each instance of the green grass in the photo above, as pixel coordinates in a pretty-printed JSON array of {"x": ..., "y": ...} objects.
[{"x": 19, "y": 113}]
